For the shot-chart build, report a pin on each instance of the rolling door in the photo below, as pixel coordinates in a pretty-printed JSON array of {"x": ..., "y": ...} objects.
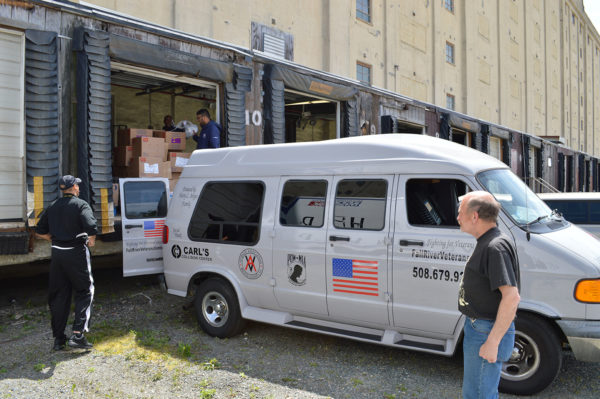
[{"x": 12, "y": 168}]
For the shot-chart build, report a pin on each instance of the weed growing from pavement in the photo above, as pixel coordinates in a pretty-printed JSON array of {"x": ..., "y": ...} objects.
[
  {"x": 184, "y": 350},
  {"x": 39, "y": 367},
  {"x": 356, "y": 382},
  {"x": 207, "y": 393},
  {"x": 211, "y": 364}
]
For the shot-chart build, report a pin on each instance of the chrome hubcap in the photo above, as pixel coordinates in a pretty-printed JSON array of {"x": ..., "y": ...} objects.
[
  {"x": 524, "y": 360},
  {"x": 214, "y": 309}
]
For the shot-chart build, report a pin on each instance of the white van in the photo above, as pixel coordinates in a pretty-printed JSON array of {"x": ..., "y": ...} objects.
[
  {"x": 358, "y": 238},
  {"x": 582, "y": 209}
]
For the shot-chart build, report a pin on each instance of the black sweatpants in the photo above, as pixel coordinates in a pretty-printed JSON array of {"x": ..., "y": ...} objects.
[{"x": 70, "y": 270}]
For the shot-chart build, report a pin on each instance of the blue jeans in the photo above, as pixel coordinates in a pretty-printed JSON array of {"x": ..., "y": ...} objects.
[{"x": 481, "y": 378}]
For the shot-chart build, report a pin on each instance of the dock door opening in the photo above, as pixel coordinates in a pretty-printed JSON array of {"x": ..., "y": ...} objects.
[{"x": 309, "y": 118}]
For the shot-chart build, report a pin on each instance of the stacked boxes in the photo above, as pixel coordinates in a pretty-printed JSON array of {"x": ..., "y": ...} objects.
[
  {"x": 148, "y": 153},
  {"x": 177, "y": 160},
  {"x": 175, "y": 140}
]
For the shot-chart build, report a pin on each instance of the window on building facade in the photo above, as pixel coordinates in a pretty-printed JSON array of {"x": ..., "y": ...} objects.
[
  {"x": 450, "y": 101},
  {"x": 363, "y": 72},
  {"x": 449, "y": 5},
  {"x": 496, "y": 147},
  {"x": 533, "y": 154},
  {"x": 363, "y": 10},
  {"x": 450, "y": 53}
]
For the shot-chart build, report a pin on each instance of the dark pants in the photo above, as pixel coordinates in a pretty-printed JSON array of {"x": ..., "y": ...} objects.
[{"x": 70, "y": 270}]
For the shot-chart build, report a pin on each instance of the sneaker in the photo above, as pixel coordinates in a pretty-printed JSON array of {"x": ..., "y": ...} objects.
[
  {"x": 59, "y": 343},
  {"x": 79, "y": 341}
]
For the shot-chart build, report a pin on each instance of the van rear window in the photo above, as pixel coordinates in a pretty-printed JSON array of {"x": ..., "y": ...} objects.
[
  {"x": 228, "y": 212},
  {"x": 145, "y": 199}
]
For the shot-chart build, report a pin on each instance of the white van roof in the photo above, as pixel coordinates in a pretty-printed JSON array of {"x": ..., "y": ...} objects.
[{"x": 373, "y": 154}]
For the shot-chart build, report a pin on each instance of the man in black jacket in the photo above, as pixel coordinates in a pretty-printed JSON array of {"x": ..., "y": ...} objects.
[{"x": 70, "y": 225}]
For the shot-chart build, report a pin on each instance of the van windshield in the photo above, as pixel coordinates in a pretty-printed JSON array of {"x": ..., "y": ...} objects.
[{"x": 522, "y": 205}]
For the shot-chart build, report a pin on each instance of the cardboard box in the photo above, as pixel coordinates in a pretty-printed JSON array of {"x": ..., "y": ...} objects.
[
  {"x": 172, "y": 184},
  {"x": 124, "y": 136},
  {"x": 178, "y": 160},
  {"x": 123, "y": 155},
  {"x": 149, "y": 147},
  {"x": 174, "y": 140},
  {"x": 149, "y": 167}
]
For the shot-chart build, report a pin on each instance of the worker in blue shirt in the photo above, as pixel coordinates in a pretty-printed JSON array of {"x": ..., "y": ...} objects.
[{"x": 210, "y": 135}]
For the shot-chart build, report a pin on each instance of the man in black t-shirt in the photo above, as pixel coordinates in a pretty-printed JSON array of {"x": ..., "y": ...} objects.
[
  {"x": 488, "y": 296},
  {"x": 70, "y": 225}
]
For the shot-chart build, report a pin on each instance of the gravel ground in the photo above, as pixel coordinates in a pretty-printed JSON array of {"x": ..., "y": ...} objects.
[{"x": 147, "y": 346}]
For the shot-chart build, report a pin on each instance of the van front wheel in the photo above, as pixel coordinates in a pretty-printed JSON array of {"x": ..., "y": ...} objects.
[
  {"x": 536, "y": 358},
  {"x": 218, "y": 309}
]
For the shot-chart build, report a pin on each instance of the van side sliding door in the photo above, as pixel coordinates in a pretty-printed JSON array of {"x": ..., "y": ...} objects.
[
  {"x": 144, "y": 203},
  {"x": 358, "y": 239},
  {"x": 429, "y": 253},
  {"x": 299, "y": 243}
]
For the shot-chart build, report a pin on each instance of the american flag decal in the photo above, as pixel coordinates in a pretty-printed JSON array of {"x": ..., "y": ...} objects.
[
  {"x": 354, "y": 276},
  {"x": 153, "y": 228}
]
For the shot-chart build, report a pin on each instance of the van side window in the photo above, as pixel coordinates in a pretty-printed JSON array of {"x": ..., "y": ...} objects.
[
  {"x": 228, "y": 212},
  {"x": 303, "y": 203},
  {"x": 145, "y": 199},
  {"x": 360, "y": 204},
  {"x": 433, "y": 202}
]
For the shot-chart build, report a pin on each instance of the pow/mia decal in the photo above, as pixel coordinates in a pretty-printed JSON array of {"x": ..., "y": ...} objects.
[
  {"x": 251, "y": 263},
  {"x": 296, "y": 268}
]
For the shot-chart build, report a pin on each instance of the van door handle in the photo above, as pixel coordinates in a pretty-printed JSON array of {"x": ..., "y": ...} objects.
[
  {"x": 339, "y": 238},
  {"x": 132, "y": 226},
  {"x": 406, "y": 243}
]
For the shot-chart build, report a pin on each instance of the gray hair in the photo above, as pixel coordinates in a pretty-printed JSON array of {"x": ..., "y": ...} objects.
[{"x": 486, "y": 207}]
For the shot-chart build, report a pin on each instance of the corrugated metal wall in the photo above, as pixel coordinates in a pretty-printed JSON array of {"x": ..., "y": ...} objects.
[
  {"x": 93, "y": 124},
  {"x": 235, "y": 105},
  {"x": 42, "y": 118}
]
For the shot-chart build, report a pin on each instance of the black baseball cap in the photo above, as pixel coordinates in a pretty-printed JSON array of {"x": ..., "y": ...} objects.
[{"x": 68, "y": 181}]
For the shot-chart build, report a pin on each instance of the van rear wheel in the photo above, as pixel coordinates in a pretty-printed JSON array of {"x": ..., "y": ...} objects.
[
  {"x": 536, "y": 358},
  {"x": 218, "y": 309}
]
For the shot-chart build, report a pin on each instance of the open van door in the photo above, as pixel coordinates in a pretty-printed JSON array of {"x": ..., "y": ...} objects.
[{"x": 144, "y": 204}]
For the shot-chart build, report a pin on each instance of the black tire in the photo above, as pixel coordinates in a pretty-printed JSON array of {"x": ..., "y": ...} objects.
[
  {"x": 536, "y": 358},
  {"x": 218, "y": 309}
]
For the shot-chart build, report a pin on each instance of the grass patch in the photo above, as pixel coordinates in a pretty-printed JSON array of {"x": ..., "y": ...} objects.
[
  {"x": 145, "y": 345},
  {"x": 39, "y": 367}
]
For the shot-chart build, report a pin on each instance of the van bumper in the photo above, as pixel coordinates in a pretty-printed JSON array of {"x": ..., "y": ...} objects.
[{"x": 584, "y": 338}]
